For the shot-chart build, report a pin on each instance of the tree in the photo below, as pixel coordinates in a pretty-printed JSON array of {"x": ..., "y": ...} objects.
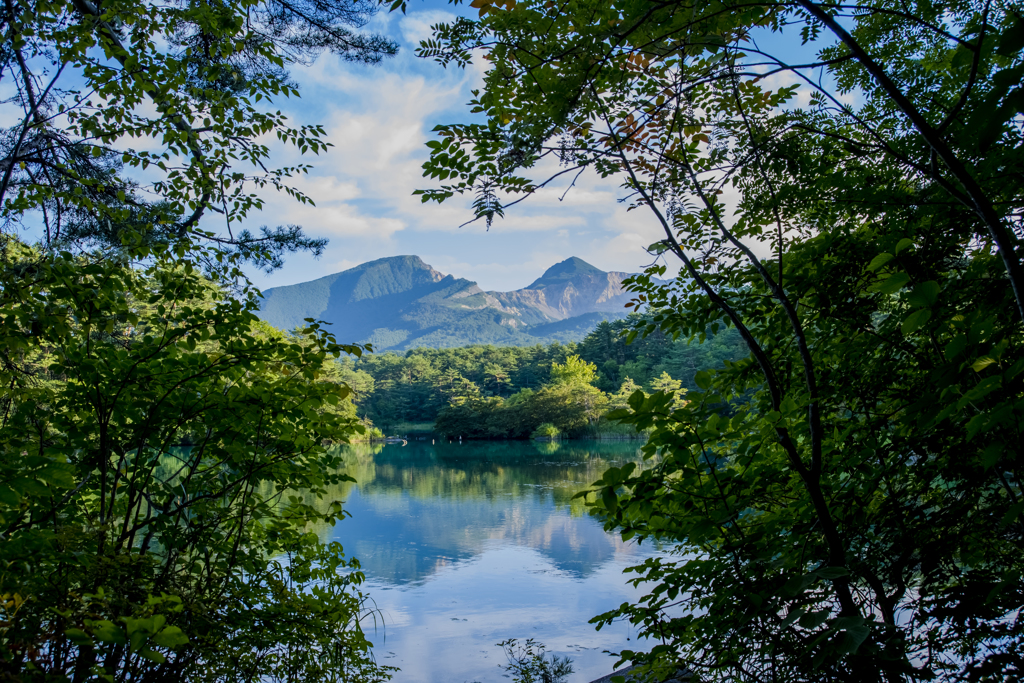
[
  {"x": 130, "y": 555},
  {"x": 570, "y": 401},
  {"x": 665, "y": 384},
  {"x": 155, "y": 435},
  {"x": 620, "y": 399},
  {"x": 858, "y": 515},
  {"x": 195, "y": 82},
  {"x": 574, "y": 372}
]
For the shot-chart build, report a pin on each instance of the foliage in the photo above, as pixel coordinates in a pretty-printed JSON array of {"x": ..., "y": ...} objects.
[
  {"x": 138, "y": 119},
  {"x": 529, "y": 662},
  {"x": 856, "y": 514},
  {"x": 666, "y": 385},
  {"x": 546, "y": 431},
  {"x": 569, "y": 403},
  {"x": 128, "y": 555},
  {"x": 155, "y": 434},
  {"x": 391, "y": 389},
  {"x": 574, "y": 372}
]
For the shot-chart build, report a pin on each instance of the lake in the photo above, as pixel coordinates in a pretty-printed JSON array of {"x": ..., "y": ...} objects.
[{"x": 465, "y": 545}]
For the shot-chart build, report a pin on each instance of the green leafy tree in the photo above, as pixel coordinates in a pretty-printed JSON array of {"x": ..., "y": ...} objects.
[
  {"x": 473, "y": 418},
  {"x": 856, "y": 514},
  {"x": 570, "y": 401},
  {"x": 155, "y": 435},
  {"x": 665, "y": 384},
  {"x": 575, "y": 371},
  {"x": 130, "y": 555},
  {"x": 195, "y": 83},
  {"x": 424, "y": 383},
  {"x": 620, "y": 399},
  {"x": 546, "y": 430}
]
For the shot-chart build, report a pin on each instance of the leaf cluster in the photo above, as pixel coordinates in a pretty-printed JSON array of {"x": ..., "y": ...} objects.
[
  {"x": 856, "y": 514},
  {"x": 165, "y": 454}
]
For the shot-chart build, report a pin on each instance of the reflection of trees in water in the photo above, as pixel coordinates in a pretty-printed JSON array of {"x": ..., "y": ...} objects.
[
  {"x": 418, "y": 508},
  {"x": 487, "y": 471}
]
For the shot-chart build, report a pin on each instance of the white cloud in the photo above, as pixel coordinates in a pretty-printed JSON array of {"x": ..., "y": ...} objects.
[
  {"x": 416, "y": 27},
  {"x": 379, "y": 120}
]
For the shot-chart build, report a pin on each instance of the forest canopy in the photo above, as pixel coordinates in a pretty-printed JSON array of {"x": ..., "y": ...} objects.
[{"x": 464, "y": 389}]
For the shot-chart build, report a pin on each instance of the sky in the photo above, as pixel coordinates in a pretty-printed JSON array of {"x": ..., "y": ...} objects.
[{"x": 379, "y": 119}]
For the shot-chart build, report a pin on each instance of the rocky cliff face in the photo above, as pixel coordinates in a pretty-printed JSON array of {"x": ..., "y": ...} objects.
[
  {"x": 401, "y": 302},
  {"x": 568, "y": 289}
]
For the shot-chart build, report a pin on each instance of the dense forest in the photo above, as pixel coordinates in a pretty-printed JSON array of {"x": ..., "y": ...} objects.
[{"x": 463, "y": 389}]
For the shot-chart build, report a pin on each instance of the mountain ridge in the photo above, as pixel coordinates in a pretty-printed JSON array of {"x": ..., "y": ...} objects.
[{"x": 401, "y": 302}]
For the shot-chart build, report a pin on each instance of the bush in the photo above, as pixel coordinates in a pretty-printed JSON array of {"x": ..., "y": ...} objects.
[
  {"x": 128, "y": 557},
  {"x": 546, "y": 431},
  {"x": 529, "y": 663}
]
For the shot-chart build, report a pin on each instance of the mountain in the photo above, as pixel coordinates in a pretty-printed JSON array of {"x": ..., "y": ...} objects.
[{"x": 401, "y": 302}]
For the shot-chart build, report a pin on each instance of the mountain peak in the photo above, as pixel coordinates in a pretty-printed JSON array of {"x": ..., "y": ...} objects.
[
  {"x": 566, "y": 270},
  {"x": 401, "y": 302},
  {"x": 405, "y": 262}
]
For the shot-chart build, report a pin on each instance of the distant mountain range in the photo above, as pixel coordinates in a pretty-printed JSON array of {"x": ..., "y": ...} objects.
[{"x": 401, "y": 302}]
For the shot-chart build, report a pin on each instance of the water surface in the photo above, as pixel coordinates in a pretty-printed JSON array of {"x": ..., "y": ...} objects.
[{"x": 465, "y": 545}]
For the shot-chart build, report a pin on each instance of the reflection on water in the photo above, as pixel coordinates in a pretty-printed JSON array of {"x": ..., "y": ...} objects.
[{"x": 467, "y": 545}]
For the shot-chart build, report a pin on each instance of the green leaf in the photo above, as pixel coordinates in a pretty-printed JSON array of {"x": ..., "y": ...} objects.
[
  {"x": 636, "y": 400},
  {"x": 1012, "y": 514},
  {"x": 992, "y": 454},
  {"x": 610, "y": 500},
  {"x": 702, "y": 379},
  {"x": 171, "y": 636},
  {"x": 1011, "y": 40},
  {"x": 813, "y": 619},
  {"x": 9, "y": 496},
  {"x": 924, "y": 295},
  {"x": 905, "y": 243},
  {"x": 853, "y": 637},
  {"x": 956, "y": 346},
  {"x": 879, "y": 261},
  {"x": 915, "y": 320},
  {"x": 78, "y": 637},
  {"x": 108, "y": 632},
  {"x": 136, "y": 639},
  {"x": 894, "y": 283},
  {"x": 793, "y": 616},
  {"x": 982, "y": 363}
]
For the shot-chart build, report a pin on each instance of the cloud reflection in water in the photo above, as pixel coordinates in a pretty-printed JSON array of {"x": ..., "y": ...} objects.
[{"x": 464, "y": 546}]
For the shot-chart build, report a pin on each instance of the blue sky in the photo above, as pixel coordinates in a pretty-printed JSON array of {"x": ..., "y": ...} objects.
[{"x": 379, "y": 119}]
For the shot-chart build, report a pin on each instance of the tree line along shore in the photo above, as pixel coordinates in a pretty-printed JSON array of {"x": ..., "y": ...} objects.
[{"x": 557, "y": 390}]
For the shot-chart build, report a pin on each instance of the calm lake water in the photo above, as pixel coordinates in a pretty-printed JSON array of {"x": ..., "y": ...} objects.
[{"x": 467, "y": 545}]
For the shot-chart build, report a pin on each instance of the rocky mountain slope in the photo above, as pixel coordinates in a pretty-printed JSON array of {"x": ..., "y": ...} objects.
[{"x": 401, "y": 302}]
